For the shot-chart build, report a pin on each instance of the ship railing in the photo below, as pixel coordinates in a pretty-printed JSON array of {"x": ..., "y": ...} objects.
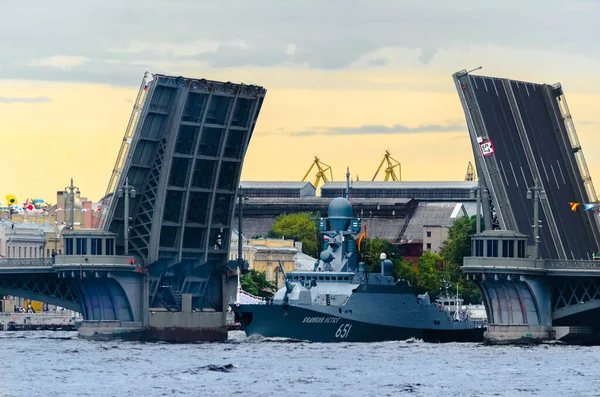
[{"x": 247, "y": 298}]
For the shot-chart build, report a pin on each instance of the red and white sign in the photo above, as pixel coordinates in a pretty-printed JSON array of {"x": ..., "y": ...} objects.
[{"x": 487, "y": 148}]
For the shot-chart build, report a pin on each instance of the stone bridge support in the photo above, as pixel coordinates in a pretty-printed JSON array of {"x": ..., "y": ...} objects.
[{"x": 518, "y": 307}]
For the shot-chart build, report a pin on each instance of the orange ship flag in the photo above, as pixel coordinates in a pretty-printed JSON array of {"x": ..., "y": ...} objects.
[
  {"x": 10, "y": 199},
  {"x": 574, "y": 206},
  {"x": 361, "y": 237}
]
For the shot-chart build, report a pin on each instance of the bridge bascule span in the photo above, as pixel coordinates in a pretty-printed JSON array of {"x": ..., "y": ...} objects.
[
  {"x": 535, "y": 264},
  {"x": 182, "y": 154}
]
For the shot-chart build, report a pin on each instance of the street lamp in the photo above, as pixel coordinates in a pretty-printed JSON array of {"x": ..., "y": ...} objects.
[
  {"x": 536, "y": 193},
  {"x": 72, "y": 191},
  {"x": 241, "y": 200},
  {"x": 128, "y": 191}
]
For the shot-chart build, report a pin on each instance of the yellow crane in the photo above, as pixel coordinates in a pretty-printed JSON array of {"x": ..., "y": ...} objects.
[
  {"x": 470, "y": 176},
  {"x": 390, "y": 171},
  {"x": 321, "y": 174}
]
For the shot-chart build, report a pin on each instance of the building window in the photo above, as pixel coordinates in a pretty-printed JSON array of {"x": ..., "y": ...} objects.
[
  {"x": 492, "y": 248},
  {"x": 508, "y": 248},
  {"x": 69, "y": 246},
  {"x": 13, "y": 255},
  {"x": 428, "y": 245},
  {"x": 81, "y": 247},
  {"x": 520, "y": 249},
  {"x": 478, "y": 247},
  {"x": 19, "y": 252},
  {"x": 428, "y": 234},
  {"x": 109, "y": 246},
  {"x": 31, "y": 252},
  {"x": 48, "y": 252},
  {"x": 96, "y": 246}
]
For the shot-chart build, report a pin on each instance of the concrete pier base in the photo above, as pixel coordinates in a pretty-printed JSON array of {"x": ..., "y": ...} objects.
[
  {"x": 109, "y": 330},
  {"x": 178, "y": 327},
  {"x": 187, "y": 326},
  {"x": 517, "y": 334}
]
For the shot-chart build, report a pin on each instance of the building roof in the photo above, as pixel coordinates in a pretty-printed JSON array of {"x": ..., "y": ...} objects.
[
  {"x": 402, "y": 185},
  {"x": 323, "y": 200},
  {"x": 274, "y": 185},
  {"x": 431, "y": 214}
]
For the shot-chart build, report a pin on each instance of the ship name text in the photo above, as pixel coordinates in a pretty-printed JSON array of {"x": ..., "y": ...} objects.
[{"x": 321, "y": 320}]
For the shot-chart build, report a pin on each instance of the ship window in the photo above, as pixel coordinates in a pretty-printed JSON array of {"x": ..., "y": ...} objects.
[
  {"x": 327, "y": 278},
  {"x": 346, "y": 278},
  {"x": 321, "y": 278}
]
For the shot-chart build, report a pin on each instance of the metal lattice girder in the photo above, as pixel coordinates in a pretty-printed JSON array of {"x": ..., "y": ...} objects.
[
  {"x": 571, "y": 292},
  {"x": 185, "y": 161},
  {"x": 47, "y": 288},
  {"x": 522, "y": 137}
]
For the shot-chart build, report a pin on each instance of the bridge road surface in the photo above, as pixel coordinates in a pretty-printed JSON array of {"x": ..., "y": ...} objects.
[{"x": 549, "y": 153}]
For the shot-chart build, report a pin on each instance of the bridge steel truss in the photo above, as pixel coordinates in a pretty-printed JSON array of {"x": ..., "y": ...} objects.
[
  {"x": 185, "y": 162},
  {"x": 96, "y": 295},
  {"x": 533, "y": 137}
]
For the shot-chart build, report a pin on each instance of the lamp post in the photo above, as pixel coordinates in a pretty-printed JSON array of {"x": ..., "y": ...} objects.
[
  {"x": 128, "y": 191},
  {"x": 476, "y": 192},
  {"x": 72, "y": 191},
  {"x": 536, "y": 193},
  {"x": 241, "y": 199}
]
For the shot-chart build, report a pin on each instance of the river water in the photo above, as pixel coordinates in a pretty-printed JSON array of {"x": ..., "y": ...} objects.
[{"x": 60, "y": 364}]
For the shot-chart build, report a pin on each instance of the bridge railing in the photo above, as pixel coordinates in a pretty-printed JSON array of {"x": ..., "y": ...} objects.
[
  {"x": 572, "y": 264},
  {"x": 26, "y": 262}
]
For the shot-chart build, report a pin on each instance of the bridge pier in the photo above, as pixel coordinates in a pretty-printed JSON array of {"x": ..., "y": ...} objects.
[
  {"x": 518, "y": 308},
  {"x": 533, "y": 300}
]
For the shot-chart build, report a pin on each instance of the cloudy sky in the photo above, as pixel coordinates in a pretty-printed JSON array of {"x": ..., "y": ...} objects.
[{"x": 346, "y": 80}]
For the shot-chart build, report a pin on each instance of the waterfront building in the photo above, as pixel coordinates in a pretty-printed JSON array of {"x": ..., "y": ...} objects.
[{"x": 264, "y": 254}]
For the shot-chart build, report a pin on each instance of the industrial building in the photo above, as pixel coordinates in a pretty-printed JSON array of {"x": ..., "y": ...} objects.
[
  {"x": 394, "y": 211},
  {"x": 277, "y": 189},
  {"x": 423, "y": 191}
]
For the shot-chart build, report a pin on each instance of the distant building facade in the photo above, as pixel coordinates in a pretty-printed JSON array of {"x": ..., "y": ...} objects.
[
  {"x": 277, "y": 189},
  {"x": 22, "y": 240},
  {"x": 264, "y": 255},
  {"x": 433, "y": 237},
  {"x": 418, "y": 190}
]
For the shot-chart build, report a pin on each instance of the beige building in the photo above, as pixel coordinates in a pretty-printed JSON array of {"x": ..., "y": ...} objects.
[
  {"x": 85, "y": 213},
  {"x": 263, "y": 255},
  {"x": 433, "y": 237},
  {"x": 22, "y": 240}
]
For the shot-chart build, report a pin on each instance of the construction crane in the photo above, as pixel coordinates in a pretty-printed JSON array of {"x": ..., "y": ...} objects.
[
  {"x": 321, "y": 174},
  {"x": 390, "y": 171},
  {"x": 470, "y": 176}
]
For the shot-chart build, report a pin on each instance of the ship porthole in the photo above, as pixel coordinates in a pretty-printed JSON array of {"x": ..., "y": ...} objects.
[{"x": 340, "y": 309}]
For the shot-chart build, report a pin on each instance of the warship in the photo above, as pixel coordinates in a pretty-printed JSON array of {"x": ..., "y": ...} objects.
[{"x": 341, "y": 301}]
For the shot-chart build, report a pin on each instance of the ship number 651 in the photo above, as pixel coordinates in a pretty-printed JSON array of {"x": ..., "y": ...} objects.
[{"x": 343, "y": 331}]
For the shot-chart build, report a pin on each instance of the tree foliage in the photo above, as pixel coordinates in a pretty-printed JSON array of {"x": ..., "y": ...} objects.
[
  {"x": 301, "y": 227},
  {"x": 255, "y": 283},
  {"x": 454, "y": 249}
]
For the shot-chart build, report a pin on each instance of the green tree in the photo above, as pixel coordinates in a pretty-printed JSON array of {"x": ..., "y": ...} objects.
[
  {"x": 255, "y": 283},
  {"x": 454, "y": 249},
  {"x": 371, "y": 249},
  {"x": 301, "y": 227}
]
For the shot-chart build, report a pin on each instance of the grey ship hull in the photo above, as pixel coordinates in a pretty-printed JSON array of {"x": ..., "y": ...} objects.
[{"x": 305, "y": 323}]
